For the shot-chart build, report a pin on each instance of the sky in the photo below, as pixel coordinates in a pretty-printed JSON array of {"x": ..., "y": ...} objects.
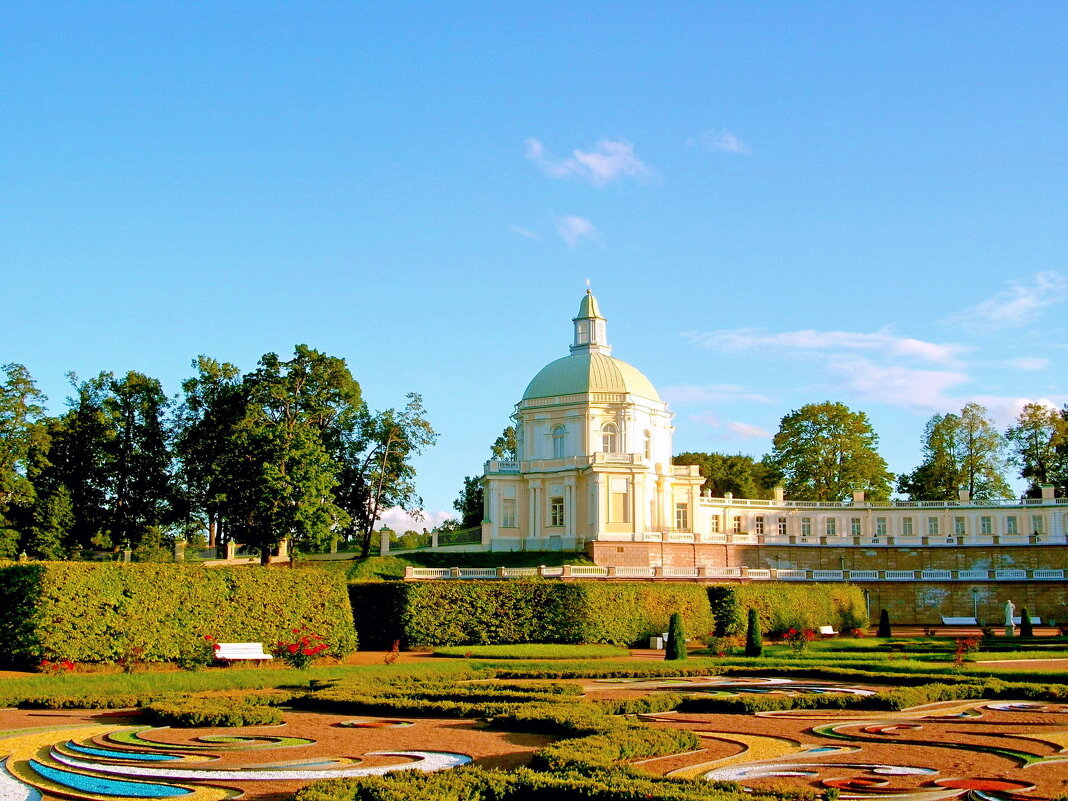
[{"x": 775, "y": 204}]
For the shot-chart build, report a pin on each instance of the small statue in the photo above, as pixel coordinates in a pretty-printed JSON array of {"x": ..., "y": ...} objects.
[{"x": 1010, "y": 623}]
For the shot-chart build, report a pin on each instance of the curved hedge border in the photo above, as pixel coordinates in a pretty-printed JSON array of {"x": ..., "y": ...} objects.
[
  {"x": 159, "y": 612},
  {"x": 507, "y": 612}
]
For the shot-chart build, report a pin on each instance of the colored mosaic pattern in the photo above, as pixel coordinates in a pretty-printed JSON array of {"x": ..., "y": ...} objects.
[{"x": 99, "y": 762}]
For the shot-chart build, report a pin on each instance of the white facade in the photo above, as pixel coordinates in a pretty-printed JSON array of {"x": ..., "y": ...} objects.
[{"x": 594, "y": 447}]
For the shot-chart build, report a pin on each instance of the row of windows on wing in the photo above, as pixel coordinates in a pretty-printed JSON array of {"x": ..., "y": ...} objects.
[
  {"x": 882, "y": 525},
  {"x": 609, "y": 441},
  {"x": 618, "y": 512}
]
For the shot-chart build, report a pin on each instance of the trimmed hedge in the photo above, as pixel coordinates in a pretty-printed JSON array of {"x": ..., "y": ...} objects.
[
  {"x": 506, "y": 612},
  {"x": 782, "y": 606},
  {"x": 158, "y": 612},
  {"x": 523, "y": 784},
  {"x": 214, "y": 711}
]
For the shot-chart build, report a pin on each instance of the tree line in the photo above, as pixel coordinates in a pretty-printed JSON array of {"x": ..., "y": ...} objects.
[
  {"x": 287, "y": 450},
  {"x": 826, "y": 452}
]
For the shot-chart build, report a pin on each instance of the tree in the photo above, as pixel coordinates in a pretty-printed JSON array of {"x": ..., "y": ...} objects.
[
  {"x": 284, "y": 471},
  {"x": 884, "y": 624},
  {"x": 394, "y": 437},
  {"x": 754, "y": 643},
  {"x": 1037, "y": 441},
  {"x": 826, "y": 451},
  {"x": 739, "y": 474},
  {"x": 676, "y": 642},
  {"x": 22, "y": 433},
  {"x": 204, "y": 427},
  {"x": 505, "y": 447},
  {"x": 961, "y": 452},
  {"x": 470, "y": 503}
]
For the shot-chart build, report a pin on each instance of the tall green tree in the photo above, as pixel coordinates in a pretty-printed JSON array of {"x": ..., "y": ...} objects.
[
  {"x": 739, "y": 474},
  {"x": 205, "y": 423},
  {"x": 826, "y": 451},
  {"x": 21, "y": 434},
  {"x": 284, "y": 465},
  {"x": 471, "y": 502},
  {"x": 961, "y": 452},
  {"x": 393, "y": 438},
  {"x": 505, "y": 446},
  {"x": 1037, "y": 442}
]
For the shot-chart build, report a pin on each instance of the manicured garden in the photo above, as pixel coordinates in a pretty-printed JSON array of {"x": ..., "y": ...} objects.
[{"x": 527, "y": 690}]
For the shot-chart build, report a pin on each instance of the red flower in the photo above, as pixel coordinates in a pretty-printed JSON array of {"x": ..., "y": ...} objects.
[
  {"x": 296, "y": 631},
  {"x": 208, "y": 638},
  {"x": 310, "y": 652},
  {"x": 216, "y": 647},
  {"x": 293, "y": 648}
]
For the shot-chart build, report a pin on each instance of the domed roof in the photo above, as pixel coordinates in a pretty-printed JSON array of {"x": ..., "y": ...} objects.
[{"x": 585, "y": 371}]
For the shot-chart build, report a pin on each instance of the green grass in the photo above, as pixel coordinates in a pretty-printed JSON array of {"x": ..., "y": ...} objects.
[
  {"x": 391, "y": 568},
  {"x": 155, "y": 684},
  {"x": 533, "y": 651}
]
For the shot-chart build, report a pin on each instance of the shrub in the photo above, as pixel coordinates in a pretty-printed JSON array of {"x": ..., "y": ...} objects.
[
  {"x": 106, "y": 612},
  {"x": 504, "y": 612},
  {"x": 782, "y": 606},
  {"x": 884, "y": 624},
  {"x": 1026, "y": 627},
  {"x": 676, "y": 644},
  {"x": 212, "y": 711},
  {"x": 754, "y": 644}
]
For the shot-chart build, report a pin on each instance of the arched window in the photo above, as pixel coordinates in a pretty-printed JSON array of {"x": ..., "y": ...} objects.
[
  {"x": 559, "y": 440},
  {"x": 609, "y": 438},
  {"x": 648, "y": 445}
]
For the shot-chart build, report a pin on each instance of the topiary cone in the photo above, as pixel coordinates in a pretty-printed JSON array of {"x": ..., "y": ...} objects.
[
  {"x": 884, "y": 624},
  {"x": 754, "y": 645},
  {"x": 1026, "y": 629},
  {"x": 676, "y": 644}
]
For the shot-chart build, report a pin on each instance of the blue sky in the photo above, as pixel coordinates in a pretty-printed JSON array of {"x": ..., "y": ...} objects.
[{"x": 775, "y": 203}]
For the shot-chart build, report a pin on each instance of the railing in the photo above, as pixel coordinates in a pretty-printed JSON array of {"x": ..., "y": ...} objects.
[
  {"x": 728, "y": 573},
  {"x": 996, "y": 503}
]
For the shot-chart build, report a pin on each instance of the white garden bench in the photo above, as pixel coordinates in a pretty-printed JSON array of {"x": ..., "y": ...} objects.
[
  {"x": 959, "y": 621},
  {"x": 827, "y": 631},
  {"x": 240, "y": 651}
]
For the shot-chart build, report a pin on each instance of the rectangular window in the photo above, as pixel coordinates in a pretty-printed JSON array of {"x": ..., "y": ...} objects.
[
  {"x": 906, "y": 527},
  {"x": 1036, "y": 524},
  {"x": 682, "y": 517},
  {"x": 832, "y": 527},
  {"x": 880, "y": 527},
  {"x": 737, "y": 527},
  {"x": 958, "y": 526},
  {"x": 806, "y": 526},
  {"x": 760, "y": 524},
  {"x": 932, "y": 526},
  {"x": 782, "y": 526},
  {"x": 618, "y": 500},
  {"x": 985, "y": 525},
  {"x": 556, "y": 511},
  {"x": 1011, "y": 526},
  {"x": 854, "y": 526},
  {"x": 714, "y": 524},
  {"x": 508, "y": 513}
]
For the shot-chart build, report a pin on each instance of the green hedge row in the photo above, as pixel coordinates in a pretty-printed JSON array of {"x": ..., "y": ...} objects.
[
  {"x": 782, "y": 606},
  {"x": 111, "y": 612},
  {"x": 504, "y": 612},
  {"x": 474, "y": 784}
]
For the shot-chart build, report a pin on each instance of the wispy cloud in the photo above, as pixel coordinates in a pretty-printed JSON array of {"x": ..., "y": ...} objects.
[
  {"x": 574, "y": 229},
  {"x": 711, "y": 393},
  {"x": 924, "y": 390},
  {"x": 880, "y": 342},
  {"x": 1016, "y": 306},
  {"x": 400, "y": 521},
  {"x": 611, "y": 159},
  {"x": 737, "y": 430},
  {"x": 1028, "y": 363},
  {"x": 747, "y": 431},
  {"x": 523, "y": 232},
  {"x": 721, "y": 141}
]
